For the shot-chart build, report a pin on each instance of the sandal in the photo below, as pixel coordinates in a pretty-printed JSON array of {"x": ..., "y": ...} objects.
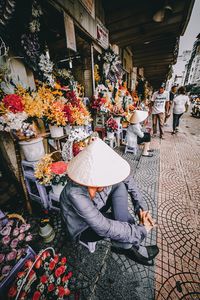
[{"x": 149, "y": 155}]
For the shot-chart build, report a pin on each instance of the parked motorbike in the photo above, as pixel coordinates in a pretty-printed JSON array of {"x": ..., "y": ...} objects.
[{"x": 196, "y": 109}]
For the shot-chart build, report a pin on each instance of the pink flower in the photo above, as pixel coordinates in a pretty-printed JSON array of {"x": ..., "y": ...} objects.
[{"x": 59, "y": 167}]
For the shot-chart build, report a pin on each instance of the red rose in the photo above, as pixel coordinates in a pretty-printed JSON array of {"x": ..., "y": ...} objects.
[
  {"x": 63, "y": 260},
  {"x": 31, "y": 274},
  {"x": 12, "y": 292},
  {"x": 43, "y": 279},
  {"x": 45, "y": 255},
  {"x": 61, "y": 291},
  {"x": 60, "y": 271},
  {"x": 67, "y": 292},
  {"x": 65, "y": 278},
  {"x": 23, "y": 296},
  {"x": 28, "y": 263},
  {"x": 52, "y": 265},
  {"x": 36, "y": 295},
  {"x": 20, "y": 274},
  {"x": 69, "y": 275},
  {"x": 38, "y": 264},
  {"x": 56, "y": 258},
  {"x": 51, "y": 287}
]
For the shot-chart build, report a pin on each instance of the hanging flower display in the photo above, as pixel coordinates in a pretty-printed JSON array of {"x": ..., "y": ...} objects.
[{"x": 112, "y": 67}]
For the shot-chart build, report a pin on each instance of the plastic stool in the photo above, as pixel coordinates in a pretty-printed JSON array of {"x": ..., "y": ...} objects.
[
  {"x": 131, "y": 149},
  {"x": 91, "y": 246},
  {"x": 112, "y": 142},
  {"x": 36, "y": 191},
  {"x": 123, "y": 135}
]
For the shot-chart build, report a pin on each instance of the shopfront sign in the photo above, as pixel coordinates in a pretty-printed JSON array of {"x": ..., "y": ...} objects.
[
  {"x": 102, "y": 35},
  {"x": 70, "y": 32},
  {"x": 89, "y": 6}
]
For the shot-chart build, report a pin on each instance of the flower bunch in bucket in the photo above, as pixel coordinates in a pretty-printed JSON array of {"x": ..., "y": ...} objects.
[{"x": 45, "y": 278}]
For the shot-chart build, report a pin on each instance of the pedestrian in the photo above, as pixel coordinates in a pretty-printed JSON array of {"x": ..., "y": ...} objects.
[
  {"x": 172, "y": 94},
  {"x": 160, "y": 107},
  {"x": 180, "y": 105},
  {"x": 100, "y": 180},
  {"x": 135, "y": 136}
]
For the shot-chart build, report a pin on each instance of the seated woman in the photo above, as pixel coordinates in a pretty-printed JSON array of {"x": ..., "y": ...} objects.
[
  {"x": 135, "y": 136},
  {"x": 99, "y": 181}
]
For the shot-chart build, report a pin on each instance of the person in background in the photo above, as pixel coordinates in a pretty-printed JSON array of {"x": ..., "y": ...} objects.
[
  {"x": 100, "y": 180},
  {"x": 135, "y": 136},
  {"x": 172, "y": 94},
  {"x": 180, "y": 105},
  {"x": 160, "y": 107}
]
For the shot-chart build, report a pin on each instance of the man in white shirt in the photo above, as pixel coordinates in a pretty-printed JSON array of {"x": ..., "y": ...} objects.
[{"x": 160, "y": 107}]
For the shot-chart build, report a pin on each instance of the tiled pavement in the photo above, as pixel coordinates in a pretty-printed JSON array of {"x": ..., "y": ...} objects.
[{"x": 170, "y": 184}]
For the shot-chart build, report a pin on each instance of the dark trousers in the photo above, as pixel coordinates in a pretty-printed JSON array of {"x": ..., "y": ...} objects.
[
  {"x": 176, "y": 118},
  {"x": 160, "y": 119},
  {"x": 118, "y": 202}
]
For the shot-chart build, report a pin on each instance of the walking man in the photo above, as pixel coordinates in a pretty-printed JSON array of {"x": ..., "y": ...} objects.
[{"x": 160, "y": 108}]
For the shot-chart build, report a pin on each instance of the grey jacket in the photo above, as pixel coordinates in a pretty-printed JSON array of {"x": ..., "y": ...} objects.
[{"x": 80, "y": 212}]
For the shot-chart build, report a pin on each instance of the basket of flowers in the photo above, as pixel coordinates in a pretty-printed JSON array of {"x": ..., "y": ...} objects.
[
  {"x": 47, "y": 277},
  {"x": 51, "y": 173}
]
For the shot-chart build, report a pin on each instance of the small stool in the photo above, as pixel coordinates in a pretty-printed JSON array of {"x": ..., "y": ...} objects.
[
  {"x": 36, "y": 191},
  {"x": 131, "y": 149},
  {"x": 101, "y": 131},
  {"x": 112, "y": 142}
]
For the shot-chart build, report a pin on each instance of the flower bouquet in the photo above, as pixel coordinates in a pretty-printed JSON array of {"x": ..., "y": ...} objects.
[
  {"x": 46, "y": 278},
  {"x": 51, "y": 173},
  {"x": 14, "y": 119},
  {"x": 111, "y": 127}
]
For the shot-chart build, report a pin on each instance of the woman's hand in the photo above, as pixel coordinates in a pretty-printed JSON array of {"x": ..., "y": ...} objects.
[{"x": 146, "y": 220}]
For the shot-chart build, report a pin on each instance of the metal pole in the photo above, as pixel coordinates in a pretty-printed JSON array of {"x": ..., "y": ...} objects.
[{"x": 92, "y": 65}]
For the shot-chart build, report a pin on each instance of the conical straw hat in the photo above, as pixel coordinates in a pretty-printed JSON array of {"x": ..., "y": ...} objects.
[
  {"x": 138, "y": 116},
  {"x": 98, "y": 165}
]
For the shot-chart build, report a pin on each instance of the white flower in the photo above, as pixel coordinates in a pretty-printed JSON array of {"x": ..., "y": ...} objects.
[
  {"x": 34, "y": 26},
  {"x": 11, "y": 121}
]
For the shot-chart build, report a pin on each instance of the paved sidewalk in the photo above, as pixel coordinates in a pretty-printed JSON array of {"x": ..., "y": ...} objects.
[{"x": 178, "y": 263}]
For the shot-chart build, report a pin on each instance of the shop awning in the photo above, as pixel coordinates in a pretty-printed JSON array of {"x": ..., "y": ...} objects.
[{"x": 154, "y": 44}]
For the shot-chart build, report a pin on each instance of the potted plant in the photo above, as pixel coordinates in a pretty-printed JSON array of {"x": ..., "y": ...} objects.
[
  {"x": 51, "y": 173},
  {"x": 111, "y": 127}
]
